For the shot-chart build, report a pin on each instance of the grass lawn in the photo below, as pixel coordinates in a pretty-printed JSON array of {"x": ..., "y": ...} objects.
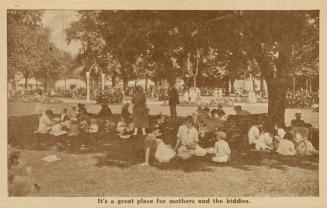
[{"x": 113, "y": 170}]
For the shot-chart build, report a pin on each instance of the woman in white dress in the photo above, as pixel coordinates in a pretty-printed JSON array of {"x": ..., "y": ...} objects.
[{"x": 187, "y": 141}]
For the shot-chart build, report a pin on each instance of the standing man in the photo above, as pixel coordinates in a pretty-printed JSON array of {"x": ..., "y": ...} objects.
[{"x": 173, "y": 101}]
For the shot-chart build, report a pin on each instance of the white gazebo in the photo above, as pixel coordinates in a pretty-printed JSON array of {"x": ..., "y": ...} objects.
[{"x": 66, "y": 84}]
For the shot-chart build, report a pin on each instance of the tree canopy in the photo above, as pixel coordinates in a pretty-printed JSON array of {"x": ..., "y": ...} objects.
[{"x": 30, "y": 49}]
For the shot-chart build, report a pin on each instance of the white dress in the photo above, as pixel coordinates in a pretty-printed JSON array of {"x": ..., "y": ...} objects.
[
  {"x": 286, "y": 147},
  {"x": 264, "y": 143},
  {"x": 253, "y": 134},
  {"x": 222, "y": 152},
  {"x": 188, "y": 147}
]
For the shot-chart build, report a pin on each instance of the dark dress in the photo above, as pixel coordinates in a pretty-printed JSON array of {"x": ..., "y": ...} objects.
[
  {"x": 125, "y": 113},
  {"x": 173, "y": 101},
  {"x": 140, "y": 111}
]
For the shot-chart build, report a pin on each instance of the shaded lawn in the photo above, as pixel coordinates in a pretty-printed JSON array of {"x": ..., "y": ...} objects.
[{"x": 112, "y": 170}]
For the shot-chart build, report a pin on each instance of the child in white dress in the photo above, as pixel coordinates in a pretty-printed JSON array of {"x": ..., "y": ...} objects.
[
  {"x": 222, "y": 149},
  {"x": 93, "y": 127}
]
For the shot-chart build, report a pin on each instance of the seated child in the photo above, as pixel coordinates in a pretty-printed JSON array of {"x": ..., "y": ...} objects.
[
  {"x": 109, "y": 126},
  {"x": 122, "y": 126},
  {"x": 93, "y": 127},
  {"x": 73, "y": 129},
  {"x": 74, "y": 112},
  {"x": 83, "y": 125},
  {"x": 125, "y": 112},
  {"x": 81, "y": 110},
  {"x": 303, "y": 146},
  {"x": 222, "y": 149},
  {"x": 214, "y": 113},
  {"x": 65, "y": 116},
  {"x": 57, "y": 129}
]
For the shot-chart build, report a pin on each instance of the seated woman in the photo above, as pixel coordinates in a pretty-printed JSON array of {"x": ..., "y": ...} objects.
[
  {"x": 187, "y": 141},
  {"x": 58, "y": 128},
  {"x": 81, "y": 110},
  {"x": 65, "y": 116},
  {"x": 265, "y": 141},
  {"x": 163, "y": 126},
  {"x": 285, "y": 146},
  {"x": 222, "y": 150},
  {"x": 254, "y": 133},
  {"x": 123, "y": 129},
  {"x": 45, "y": 122},
  {"x": 105, "y": 111},
  {"x": 125, "y": 112}
]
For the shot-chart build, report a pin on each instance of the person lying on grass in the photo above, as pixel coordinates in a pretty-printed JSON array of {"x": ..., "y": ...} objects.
[
  {"x": 58, "y": 128},
  {"x": 187, "y": 141},
  {"x": 152, "y": 143}
]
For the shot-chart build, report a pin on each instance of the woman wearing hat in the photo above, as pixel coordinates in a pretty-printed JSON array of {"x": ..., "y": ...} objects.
[{"x": 140, "y": 111}]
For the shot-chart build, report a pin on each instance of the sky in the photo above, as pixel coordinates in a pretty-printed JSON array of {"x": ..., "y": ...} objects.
[{"x": 57, "y": 21}]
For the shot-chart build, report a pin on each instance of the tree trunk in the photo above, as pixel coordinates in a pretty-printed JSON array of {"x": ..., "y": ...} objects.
[
  {"x": 261, "y": 87},
  {"x": 146, "y": 84},
  {"x": 226, "y": 86},
  {"x": 277, "y": 83},
  {"x": 125, "y": 83},
  {"x": 26, "y": 83},
  {"x": 232, "y": 88},
  {"x": 113, "y": 80}
]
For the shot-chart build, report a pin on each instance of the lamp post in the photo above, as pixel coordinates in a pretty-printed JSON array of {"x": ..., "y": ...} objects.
[
  {"x": 102, "y": 82},
  {"x": 87, "y": 86}
]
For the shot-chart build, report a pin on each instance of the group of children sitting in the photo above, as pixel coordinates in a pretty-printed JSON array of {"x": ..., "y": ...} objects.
[
  {"x": 187, "y": 145},
  {"x": 293, "y": 141},
  {"x": 78, "y": 123}
]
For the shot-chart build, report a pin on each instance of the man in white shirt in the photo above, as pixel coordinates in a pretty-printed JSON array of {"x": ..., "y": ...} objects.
[{"x": 187, "y": 141}]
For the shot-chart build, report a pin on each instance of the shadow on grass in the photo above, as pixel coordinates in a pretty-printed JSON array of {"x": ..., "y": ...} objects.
[{"x": 126, "y": 153}]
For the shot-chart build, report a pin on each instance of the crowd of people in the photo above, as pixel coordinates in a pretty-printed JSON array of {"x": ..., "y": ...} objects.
[{"x": 200, "y": 134}]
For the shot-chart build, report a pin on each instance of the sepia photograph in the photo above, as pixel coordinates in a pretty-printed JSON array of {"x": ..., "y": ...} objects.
[{"x": 162, "y": 103}]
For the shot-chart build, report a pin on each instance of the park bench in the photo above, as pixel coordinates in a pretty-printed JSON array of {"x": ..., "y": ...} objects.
[{"x": 237, "y": 126}]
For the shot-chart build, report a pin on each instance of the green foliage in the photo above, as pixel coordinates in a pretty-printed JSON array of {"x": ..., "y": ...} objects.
[{"x": 30, "y": 50}]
